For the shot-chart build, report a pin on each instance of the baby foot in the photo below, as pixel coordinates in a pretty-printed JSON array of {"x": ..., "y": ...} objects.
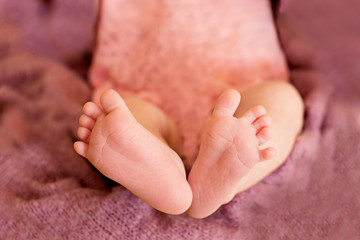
[
  {"x": 123, "y": 150},
  {"x": 230, "y": 148}
]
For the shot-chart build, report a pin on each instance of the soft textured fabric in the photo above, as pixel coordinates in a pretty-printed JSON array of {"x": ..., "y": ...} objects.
[{"x": 48, "y": 192}]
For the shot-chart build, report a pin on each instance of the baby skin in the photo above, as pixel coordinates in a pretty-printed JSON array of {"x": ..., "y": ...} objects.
[
  {"x": 134, "y": 143},
  {"x": 137, "y": 145}
]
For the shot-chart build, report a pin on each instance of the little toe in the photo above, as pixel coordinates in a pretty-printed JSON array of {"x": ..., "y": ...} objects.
[
  {"x": 83, "y": 133},
  {"x": 264, "y": 135},
  {"x": 261, "y": 122},
  {"x": 254, "y": 113},
  {"x": 111, "y": 100},
  {"x": 92, "y": 110},
  {"x": 227, "y": 103},
  {"x": 81, "y": 148},
  {"x": 86, "y": 121},
  {"x": 267, "y": 153}
]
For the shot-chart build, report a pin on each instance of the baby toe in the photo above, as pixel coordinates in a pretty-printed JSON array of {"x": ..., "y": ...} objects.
[
  {"x": 254, "y": 113},
  {"x": 83, "y": 133},
  {"x": 86, "y": 121},
  {"x": 111, "y": 100},
  {"x": 264, "y": 135},
  {"x": 81, "y": 148},
  {"x": 261, "y": 122},
  {"x": 92, "y": 110},
  {"x": 267, "y": 153}
]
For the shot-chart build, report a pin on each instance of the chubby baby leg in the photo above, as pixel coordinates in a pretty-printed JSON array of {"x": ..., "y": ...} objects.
[{"x": 133, "y": 154}]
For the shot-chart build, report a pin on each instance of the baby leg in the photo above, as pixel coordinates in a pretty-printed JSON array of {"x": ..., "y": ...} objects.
[
  {"x": 127, "y": 142},
  {"x": 233, "y": 149}
]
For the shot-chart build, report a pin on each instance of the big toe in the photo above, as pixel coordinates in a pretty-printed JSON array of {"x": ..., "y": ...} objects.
[
  {"x": 111, "y": 100},
  {"x": 227, "y": 103}
]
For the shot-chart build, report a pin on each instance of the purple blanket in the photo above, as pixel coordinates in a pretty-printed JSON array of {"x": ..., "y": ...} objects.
[{"x": 49, "y": 192}]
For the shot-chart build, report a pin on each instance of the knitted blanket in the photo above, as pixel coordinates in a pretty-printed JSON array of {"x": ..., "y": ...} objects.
[{"x": 47, "y": 191}]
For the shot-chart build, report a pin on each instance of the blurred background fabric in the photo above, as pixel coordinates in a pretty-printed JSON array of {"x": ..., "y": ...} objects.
[{"x": 47, "y": 191}]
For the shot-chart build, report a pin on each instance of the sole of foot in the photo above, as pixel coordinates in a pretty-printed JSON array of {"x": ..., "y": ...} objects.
[
  {"x": 229, "y": 149},
  {"x": 126, "y": 152}
]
